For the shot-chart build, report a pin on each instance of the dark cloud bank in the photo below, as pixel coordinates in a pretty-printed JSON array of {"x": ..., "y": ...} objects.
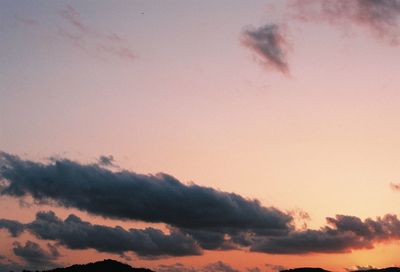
[
  {"x": 199, "y": 218},
  {"x": 74, "y": 233},
  {"x": 128, "y": 195}
]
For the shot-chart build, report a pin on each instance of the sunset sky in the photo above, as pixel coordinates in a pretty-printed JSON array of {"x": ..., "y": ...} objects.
[{"x": 201, "y": 136}]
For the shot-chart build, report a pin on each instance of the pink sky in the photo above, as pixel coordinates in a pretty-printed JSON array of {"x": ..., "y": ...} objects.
[{"x": 201, "y": 91}]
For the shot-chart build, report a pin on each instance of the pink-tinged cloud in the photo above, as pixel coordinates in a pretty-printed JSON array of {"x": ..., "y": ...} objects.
[
  {"x": 395, "y": 186},
  {"x": 269, "y": 45},
  {"x": 91, "y": 40},
  {"x": 380, "y": 17}
]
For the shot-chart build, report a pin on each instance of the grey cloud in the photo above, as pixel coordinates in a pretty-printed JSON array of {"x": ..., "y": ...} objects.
[
  {"x": 106, "y": 160},
  {"x": 35, "y": 255},
  {"x": 343, "y": 234},
  {"x": 90, "y": 40},
  {"x": 311, "y": 241},
  {"x": 128, "y": 195},
  {"x": 269, "y": 44},
  {"x": 9, "y": 265},
  {"x": 212, "y": 267},
  {"x": 15, "y": 228},
  {"x": 275, "y": 267},
  {"x": 178, "y": 267},
  {"x": 219, "y": 267},
  {"x": 361, "y": 268},
  {"x": 75, "y": 233},
  {"x": 380, "y": 17}
]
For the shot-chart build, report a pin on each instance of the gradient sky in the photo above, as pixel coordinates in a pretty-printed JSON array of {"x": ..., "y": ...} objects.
[{"x": 173, "y": 87}]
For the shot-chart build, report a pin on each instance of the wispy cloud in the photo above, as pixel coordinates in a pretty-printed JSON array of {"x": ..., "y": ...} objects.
[
  {"x": 395, "y": 186},
  {"x": 380, "y": 17},
  {"x": 91, "y": 40},
  {"x": 212, "y": 267},
  {"x": 269, "y": 44}
]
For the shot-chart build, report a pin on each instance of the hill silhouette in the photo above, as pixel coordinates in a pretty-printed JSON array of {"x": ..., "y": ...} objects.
[
  {"x": 115, "y": 266},
  {"x": 316, "y": 269},
  {"x": 305, "y": 269},
  {"x": 101, "y": 266},
  {"x": 388, "y": 269}
]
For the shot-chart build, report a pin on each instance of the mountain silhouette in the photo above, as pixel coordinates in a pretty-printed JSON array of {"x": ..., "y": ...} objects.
[
  {"x": 101, "y": 266},
  {"x": 388, "y": 269},
  {"x": 305, "y": 269},
  {"x": 314, "y": 269},
  {"x": 115, "y": 266}
]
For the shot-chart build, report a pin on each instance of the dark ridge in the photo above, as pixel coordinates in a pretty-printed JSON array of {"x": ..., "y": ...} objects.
[
  {"x": 305, "y": 269},
  {"x": 388, "y": 269},
  {"x": 101, "y": 266}
]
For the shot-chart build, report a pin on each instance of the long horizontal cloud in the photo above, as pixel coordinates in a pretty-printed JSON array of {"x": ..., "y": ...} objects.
[
  {"x": 128, "y": 195},
  {"x": 343, "y": 234},
  {"x": 269, "y": 44},
  {"x": 75, "y": 233},
  {"x": 380, "y": 17}
]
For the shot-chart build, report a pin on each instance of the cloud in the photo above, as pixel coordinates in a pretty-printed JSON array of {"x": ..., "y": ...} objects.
[
  {"x": 275, "y": 267},
  {"x": 74, "y": 233},
  {"x": 178, "y": 267},
  {"x": 106, "y": 160},
  {"x": 91, "y": 40},
  {"x": 14, "y": 228},
  {"x": 253, "y": 269},
  {"x": 219, "y": 267},
  {"x": 380, "y": 17},
  {"x": 128, "y": 195},
  {"x": 34, "y": 255},
  {"x": 342, "y": 234},
  {"x": 361, "y": 268},
  {"x": 269, "y": 44},
  {"x": 212, "y": 267},
  {"x": 7, "y": 264},
  {"x": 395, "y": 186}
]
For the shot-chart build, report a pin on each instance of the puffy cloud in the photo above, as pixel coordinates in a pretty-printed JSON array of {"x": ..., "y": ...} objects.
[
  {"x": 106, "y": 160},
  {"x": 74, "y": 233},
  {"x": 361, "y": 268},
  {"x": 35, "y": 255},
  {"x": 14, "y": 228},
  {"x": 269, "y": 44},
  {"x": 128, "y": 195},
  {"x": 343, "y": 234}
]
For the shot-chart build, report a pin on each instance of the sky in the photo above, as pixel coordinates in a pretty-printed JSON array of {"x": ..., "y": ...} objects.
[{"x": 200, "y": 135}]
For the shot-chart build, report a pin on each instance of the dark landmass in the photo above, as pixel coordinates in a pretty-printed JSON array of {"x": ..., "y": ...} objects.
[
  {"x": 305, "y": 269},
  {"x": 101, "y": 266},
  {"x": 388, "y": 269},
  {"x": 312, "y": 269},
  {"x": 115, "y": 266}
]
